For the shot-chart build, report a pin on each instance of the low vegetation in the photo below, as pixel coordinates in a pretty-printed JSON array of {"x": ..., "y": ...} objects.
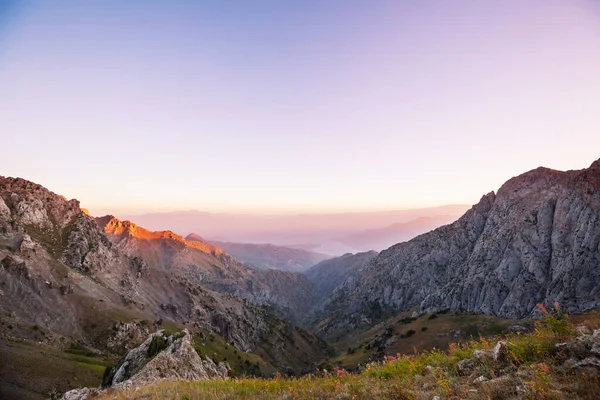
[{"x": 531, "y": 365}]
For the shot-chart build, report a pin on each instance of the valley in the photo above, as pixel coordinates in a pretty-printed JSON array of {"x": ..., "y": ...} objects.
[{"x": 80, "y": 293}]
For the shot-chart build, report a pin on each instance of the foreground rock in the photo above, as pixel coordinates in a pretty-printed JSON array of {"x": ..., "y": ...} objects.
[{"x": 160, "y": 357}]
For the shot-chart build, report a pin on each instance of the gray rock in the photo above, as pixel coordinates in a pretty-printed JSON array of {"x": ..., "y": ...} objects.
[
  {"x": 583, "y": 330},
  {"x": 177, "y": 360},
  {"x": 4, "y": 210},
  {"x": 500, "y": 352},
  {"x": 517, "y": 329},
  {"x": 466, "y": 366},
  {"x": 482, "y": 355},
  {"x": 535, "y": 241},
  {"x": 81, "y": 394},
  {"x": 480, "y": 379},
  {"x": 589, "y": 362},
  {"x": 595, "y": 350}
]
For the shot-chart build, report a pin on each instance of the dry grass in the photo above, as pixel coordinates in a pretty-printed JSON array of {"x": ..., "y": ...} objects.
[{"x": 532, "y": 369}]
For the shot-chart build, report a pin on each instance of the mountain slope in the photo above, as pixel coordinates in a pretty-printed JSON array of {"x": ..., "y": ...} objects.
[
  {"x": 328, "y": 274},
  {"x": 289, "y": 294},
  {"x": 270, "y": 256},
  {"x": 63, "y": 283},
  {"x": 536, "y": 241}
]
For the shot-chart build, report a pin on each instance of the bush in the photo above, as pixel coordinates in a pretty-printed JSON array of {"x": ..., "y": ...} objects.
[{"x": 157, "y": 345}]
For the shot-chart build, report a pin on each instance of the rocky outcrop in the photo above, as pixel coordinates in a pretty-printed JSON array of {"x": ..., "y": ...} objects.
[
  {"x": 160, "y": 357},
  {"x": 163, "y": 356},
  {"x": 536, "y": 241}
]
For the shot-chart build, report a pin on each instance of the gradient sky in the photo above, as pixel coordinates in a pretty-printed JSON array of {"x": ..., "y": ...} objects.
[{"x": 280, "y": 106}]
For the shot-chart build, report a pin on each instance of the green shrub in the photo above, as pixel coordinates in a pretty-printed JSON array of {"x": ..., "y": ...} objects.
[{"x": 157, "y": 345}]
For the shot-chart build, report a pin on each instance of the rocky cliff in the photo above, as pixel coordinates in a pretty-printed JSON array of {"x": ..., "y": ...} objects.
[
  {"x": 536, "y": 241},
  {"x": 328, "y": 274}
]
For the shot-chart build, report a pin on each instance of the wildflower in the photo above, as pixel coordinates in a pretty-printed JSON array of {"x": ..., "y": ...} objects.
[
  {"x": 542, "y": 309},
  {"x": 544, "y": 367}
]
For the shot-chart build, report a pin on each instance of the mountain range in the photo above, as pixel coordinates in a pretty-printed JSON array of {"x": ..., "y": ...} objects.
[
  {"x": 332, "y": 234},
  {"x": 74, "y": 284}
]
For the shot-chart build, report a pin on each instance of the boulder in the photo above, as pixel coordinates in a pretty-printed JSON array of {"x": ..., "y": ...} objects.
[
  {"x": 589, "y": 362},
  {"x": 482, "y": 355},
  {"x": 81, "y": 394},
  {"x": 500, "y": 352},
  {"x": 466, "y": 366},
  {"x": 583, "y": 330}
]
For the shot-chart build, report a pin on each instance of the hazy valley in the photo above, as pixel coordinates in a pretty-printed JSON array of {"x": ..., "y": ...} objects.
[{"x": 84, "y": 291}]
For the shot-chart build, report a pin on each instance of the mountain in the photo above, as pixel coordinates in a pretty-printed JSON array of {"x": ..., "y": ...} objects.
[
  {"x": 289, "y": 294},
  {"x": 328, "y": 274},
  {"x": 314, "y": 232},
  {"x": 65, "y": 285},
  {"x": 382, "y": 238},
  {"x": 536, "y": 241},
  {"x": 270, "y": 256}
]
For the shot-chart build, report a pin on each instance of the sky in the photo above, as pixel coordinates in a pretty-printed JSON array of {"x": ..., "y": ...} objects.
[{"x": 294, "y": 106}]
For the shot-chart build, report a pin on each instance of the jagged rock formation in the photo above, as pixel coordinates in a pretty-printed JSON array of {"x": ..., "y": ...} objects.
[
  {"x": 536, "y": 241},
  {"x": 289, "y": 294},
  {"x": 160, "y": 357},
  {"x": 270, "y": 256},
  {"x": 164, "y": 356}
]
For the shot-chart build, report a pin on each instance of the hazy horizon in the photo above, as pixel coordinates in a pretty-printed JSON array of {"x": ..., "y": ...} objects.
[{"x": 294, "y": 107}]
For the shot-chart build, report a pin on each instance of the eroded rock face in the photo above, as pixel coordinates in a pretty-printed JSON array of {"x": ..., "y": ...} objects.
[
  {"x": 536, "y": 241},
  {"x": 164, "y": 356},
  {"x": 160, "y": 357}
]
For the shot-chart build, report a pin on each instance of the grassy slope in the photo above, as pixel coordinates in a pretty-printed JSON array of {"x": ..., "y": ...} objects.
[
  {"x": 31, "y": 370},
  {"x": 531, "y": 364},
  {"x": 430, "y": 331},
  {"x": 241, "y": 363}
]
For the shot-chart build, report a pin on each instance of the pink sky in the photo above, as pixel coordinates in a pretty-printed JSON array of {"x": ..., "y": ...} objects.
[{"x": 294, "y": 106}]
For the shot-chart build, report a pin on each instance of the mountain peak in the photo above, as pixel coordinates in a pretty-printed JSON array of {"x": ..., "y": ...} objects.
[
  {"x": 194, "y": 237},
  {"x": 114, "y": 226}
]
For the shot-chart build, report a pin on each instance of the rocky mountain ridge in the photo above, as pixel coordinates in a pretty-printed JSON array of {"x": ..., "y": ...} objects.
[
  {"x": 290, "y": 295},
  {"x": 64, "y": 283},
  {"x": 536, "y": 241}
]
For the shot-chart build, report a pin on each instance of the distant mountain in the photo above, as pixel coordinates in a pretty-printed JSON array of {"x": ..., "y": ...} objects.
[
  {"x": 270, "y": 256},
  {"x": 536, "y": 241},
  {"x": 380, "y": 239},
  {"x": 290, "y": 294},
  {"x": 328, "y": 274},
  {"x": 321, "y": 231}
]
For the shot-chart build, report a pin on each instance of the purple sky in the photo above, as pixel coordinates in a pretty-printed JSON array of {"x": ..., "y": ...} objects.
[{"x": 279, "y": 106}]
